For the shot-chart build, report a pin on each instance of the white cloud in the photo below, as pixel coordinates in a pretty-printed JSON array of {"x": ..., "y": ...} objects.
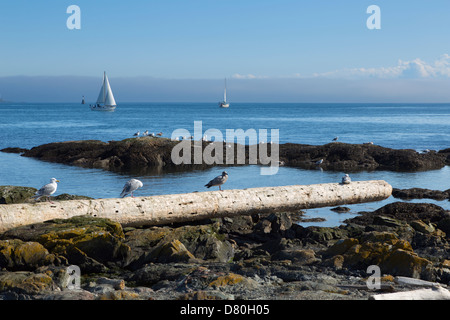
[
  {"x": 247, "y": 76},
  {"x": 415, "y": 69}
]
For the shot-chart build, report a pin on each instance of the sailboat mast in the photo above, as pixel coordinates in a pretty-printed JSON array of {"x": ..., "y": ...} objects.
[
  {"x": 104, "y": 78},
  {"x": 225, "y": 92}
]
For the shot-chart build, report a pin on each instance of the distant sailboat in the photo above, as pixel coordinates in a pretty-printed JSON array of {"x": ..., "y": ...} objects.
[
  {"x": 105, "y": 101},
  {"x": 82, "y": 101},
  {"x": 224, "y": 103}
]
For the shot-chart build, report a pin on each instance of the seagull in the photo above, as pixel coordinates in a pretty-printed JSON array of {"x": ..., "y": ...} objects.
[
  {"x": 131, "y": 186},
  {"x": 218, "y": 181},
  {"x": 335, "y": 138},
  {"x": 137, "y": 134},
  {"x": 47, "y": 190},
  {"x": 319, "y": 162},
  {"x": 346, "y": 179},
  {"x": 145, "y": 133}
]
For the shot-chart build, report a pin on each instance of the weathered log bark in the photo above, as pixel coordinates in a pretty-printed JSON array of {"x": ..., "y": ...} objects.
[{"x": 163, "y": 209}]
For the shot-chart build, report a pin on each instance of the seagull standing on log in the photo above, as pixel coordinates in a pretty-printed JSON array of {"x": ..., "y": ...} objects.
[
  {"x": 131, "y": 186},
  {"x": 346, "y": 179},
  {"x": 218, "y": 181},
  {"x": 47, "y": 190}
]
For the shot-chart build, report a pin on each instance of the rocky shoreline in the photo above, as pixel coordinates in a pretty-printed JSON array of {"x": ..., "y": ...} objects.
[
  {"x": 268, "y": 257},
  {"x": 258, "y": 257},
  {"x": 155, "y": 153}
]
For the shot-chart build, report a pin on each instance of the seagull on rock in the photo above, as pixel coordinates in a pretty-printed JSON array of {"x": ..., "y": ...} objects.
[
  {"x": 131, "y": 186},
  {"x": 218, "y": 181},
  {"x": 346, "y": 179},
  {"x": 47, "y": 190}
]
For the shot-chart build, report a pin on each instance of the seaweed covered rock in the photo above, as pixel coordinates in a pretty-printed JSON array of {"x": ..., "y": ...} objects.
[
  {"x": 66, "y": 196},
  {"x": 25, "y": 282},
  {"x": 83, "y": 240},
  {"x": 19, "y": 194},
  {"x": 15, "y": 194},
  {"x": 16, "y": 254},
  {"x": 185, "y": 243},
  {"x": 173, "y": 251},
  {"x": 394, "y": 256}
]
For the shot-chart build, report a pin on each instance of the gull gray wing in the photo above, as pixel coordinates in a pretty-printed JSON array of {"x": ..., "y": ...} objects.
[
  {"x": 46, "y": 190},
  {"x": 217, "y": 181},
  {"x": 126, "y": 189},
  {"x": 130, "y": 186}
]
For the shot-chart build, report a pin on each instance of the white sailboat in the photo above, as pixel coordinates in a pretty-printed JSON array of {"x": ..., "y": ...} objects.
[
  {"x": 105, "y": 101},
  {"x": 224, "y": 103}
]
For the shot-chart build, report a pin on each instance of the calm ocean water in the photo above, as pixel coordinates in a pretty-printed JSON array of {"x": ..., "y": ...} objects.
[{"x": 414, "y": 126}]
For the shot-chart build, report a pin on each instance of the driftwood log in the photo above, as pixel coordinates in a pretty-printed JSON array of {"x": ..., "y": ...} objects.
[
  {"x": 435, "y": 293},
  {"x": 163, "y": 209}
]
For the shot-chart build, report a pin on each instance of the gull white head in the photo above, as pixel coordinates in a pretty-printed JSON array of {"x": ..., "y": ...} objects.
[{"x": 346, "y": 179}]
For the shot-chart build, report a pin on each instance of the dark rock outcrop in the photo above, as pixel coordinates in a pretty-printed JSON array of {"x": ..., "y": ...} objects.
[
  {"x": 356, "y": 157},
  {"x": 148, "y": 152},
  {"x": 14, "y": 150},
  {"x": 401, "y": 211},
  {"x": 420, "y": 193},
  {"x": 18, "y": 194},
  {"x": 15, "y": 194}
]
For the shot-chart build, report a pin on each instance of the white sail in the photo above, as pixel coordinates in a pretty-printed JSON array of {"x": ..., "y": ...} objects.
[
  {"x": 101, "y": 95},
  {"x": 105, "y": 100},
  {"x": 106, "y": 96},
  {"x": 224, "y": 103},
  {"x": 109, "y": 97}
]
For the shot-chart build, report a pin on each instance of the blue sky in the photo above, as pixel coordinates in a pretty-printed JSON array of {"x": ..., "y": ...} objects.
[{"x": 275, "y": 40}]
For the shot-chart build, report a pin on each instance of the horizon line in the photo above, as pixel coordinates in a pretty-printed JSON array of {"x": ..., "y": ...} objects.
[{"x": 238, "y": 102}]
